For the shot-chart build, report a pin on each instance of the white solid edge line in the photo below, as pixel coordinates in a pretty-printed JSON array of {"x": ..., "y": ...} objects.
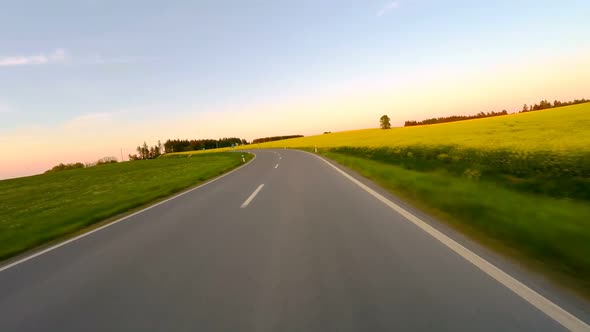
[
  {"x": 540, "y": 302},
  {"x": 249, "y": 199},
  {"x": 61, "y": 244}
]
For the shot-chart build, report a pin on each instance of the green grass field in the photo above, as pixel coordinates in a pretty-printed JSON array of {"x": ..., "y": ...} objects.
[
  {"x": 37, "y": 209},
  {"x": 552, "y": 234}
]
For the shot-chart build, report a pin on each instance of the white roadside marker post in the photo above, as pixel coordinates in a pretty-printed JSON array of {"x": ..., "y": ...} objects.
[
  {"x": 316, "y": 149},
  {"x": 243, "y": 159}
]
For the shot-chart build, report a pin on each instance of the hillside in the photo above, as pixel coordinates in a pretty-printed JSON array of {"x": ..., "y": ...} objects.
[
  {"x": 38, "y": 209},
  {"x": 518, "y": 183},
  {"x": 559, "y": 129}
]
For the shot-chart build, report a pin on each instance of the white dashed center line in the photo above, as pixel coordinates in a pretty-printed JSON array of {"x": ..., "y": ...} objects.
[{"x": 245, "y": 204}]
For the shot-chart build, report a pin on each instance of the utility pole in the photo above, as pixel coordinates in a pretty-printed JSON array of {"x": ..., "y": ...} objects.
[{"x": 121, "y": 154}]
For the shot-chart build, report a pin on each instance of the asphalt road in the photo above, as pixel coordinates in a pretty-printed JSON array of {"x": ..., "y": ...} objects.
[{"x": 310, "y": 251}]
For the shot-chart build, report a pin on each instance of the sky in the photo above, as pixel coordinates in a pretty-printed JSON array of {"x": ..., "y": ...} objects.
[{"x": 85, "y": 79}]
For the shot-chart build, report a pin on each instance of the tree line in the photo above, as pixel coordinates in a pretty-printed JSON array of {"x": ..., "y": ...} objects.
[
  {"x": 147, "y": 152},
  {"x": 542, "y": 105},
  {"x": 64, "y": 167},
  {"x": 180, "y": 145},
  {"x": 454, "y": 118},
  {"x": 274, "y": 138}
]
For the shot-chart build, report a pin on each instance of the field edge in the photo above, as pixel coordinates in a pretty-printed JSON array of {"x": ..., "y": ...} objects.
[
  {"x": 512, "y": 255},
  {"x": 22, "y": 255}
]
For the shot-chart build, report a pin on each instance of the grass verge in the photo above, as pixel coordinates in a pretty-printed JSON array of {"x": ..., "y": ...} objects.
[
  {"x": 38, "y": 209},
  {"x": 550, "y": 233}
]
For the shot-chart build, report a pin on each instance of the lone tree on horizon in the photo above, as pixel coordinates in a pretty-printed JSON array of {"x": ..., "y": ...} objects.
[{"x": 384, "y": 121}]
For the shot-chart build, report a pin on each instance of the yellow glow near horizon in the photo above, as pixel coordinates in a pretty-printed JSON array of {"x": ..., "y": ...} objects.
[{"x": 356, "y": 107}]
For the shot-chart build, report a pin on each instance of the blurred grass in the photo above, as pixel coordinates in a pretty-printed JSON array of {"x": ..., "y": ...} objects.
[
  {"x": 37, "y": 209},
  {"x": 540, "y": 172},
  {"x": 555, "y": 233}
]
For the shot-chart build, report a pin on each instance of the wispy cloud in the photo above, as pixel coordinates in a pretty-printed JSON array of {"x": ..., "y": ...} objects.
[
  {"x": 60, "y": 55},
  {"x": 57, "y": 56},
  {"x": 392, "y": 5},
  {"x": 5, "y": 109},
  {"x": 100, "y": 60},
  {"x": 89, "y": 120}
]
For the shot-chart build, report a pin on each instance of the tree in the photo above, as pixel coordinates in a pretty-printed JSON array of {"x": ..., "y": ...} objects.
[
  {"x": 106, "y": 160},
  {"x": 65, "y": 167},
  {"x": 525, "y": 108},
  {"x": 145, "y": 151},
  {"x": 384, "y": 122}
]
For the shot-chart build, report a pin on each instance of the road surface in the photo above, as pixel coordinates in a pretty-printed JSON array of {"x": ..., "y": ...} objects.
[{"x": 285, "y": 243}]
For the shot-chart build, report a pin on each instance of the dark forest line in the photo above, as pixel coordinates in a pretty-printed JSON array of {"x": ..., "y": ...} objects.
[
  {"x": 274, "y": 138},
  {"x": 542, "y": 105}
]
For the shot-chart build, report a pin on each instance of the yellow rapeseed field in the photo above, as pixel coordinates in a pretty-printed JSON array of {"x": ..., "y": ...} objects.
[
  {"x": 564, "y": 129},
  {"x": 558, "y": 130}
]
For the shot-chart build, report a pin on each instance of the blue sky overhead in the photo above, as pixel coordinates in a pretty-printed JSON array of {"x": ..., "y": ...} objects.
[{"x": 115, "y": 73}]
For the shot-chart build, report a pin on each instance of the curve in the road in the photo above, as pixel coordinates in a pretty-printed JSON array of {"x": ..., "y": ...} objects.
[{"x": 311, "y": 251}]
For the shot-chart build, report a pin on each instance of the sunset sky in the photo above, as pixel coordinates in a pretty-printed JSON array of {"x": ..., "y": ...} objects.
[{"x": 83, "y": 79}]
